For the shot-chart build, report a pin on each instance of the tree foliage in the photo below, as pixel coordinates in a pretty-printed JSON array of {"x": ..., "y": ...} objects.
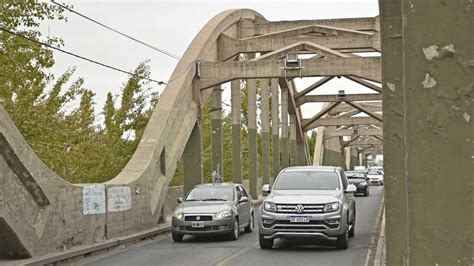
[{"x": 57, "y": 116}]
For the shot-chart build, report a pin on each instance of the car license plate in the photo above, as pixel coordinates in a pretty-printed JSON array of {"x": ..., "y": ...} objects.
[
  {"x": 198, "y": 224},
  {"x": 299, "y": 219}
]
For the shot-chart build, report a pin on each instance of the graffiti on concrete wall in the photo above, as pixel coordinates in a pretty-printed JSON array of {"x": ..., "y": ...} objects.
[
  {"x": 119, "y": 199},
  {"x": 93, "y": 199}
]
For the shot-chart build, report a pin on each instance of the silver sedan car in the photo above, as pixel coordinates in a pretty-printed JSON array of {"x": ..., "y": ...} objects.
[{"x": 213, "y": 209}]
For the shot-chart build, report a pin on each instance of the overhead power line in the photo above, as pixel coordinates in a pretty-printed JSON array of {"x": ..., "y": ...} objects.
[
  {"x": 118, "y": 32},
  {"x": 82, "y": 57}
]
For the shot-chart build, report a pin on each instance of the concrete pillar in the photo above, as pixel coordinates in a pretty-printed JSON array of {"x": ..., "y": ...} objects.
[
  {"x": 427, "y": 82},
  {"x": 333, "y": 152},
  {"x": 265, "y": 113},
  {"x": 236, "y": 139},
  {"x": 216, "y": 123},
  {"x": 300, "y": 153},
  {"x": 284, "y": 128},
  {"x": 354, "y": 159},
  {"x": 292, "y": 140},
  {"x": 252, "y": 128},
  {"x": 318, "y": 156},
  {"x": 275, "y": 128},
  {"x": 192, "y": 159}
]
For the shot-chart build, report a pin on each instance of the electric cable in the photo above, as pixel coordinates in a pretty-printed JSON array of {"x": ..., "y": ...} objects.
[{"x": 82, "y": 57}]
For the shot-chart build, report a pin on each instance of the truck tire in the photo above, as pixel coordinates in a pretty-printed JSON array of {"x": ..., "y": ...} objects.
[
  {"x": 265, "y": 243},
  {"x": 176, "y": 237},
  {"x": 342, "y": 241}
]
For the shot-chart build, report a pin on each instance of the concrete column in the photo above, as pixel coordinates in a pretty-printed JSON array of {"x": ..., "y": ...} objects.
[
  {"x": 333, "y": 152},
  {"x": 284, "y": 129},
  {"x": 252, "y": 127},
  {"x": 300, "y": 153},
  {"x": 275, "y": 128},
  {"x": 192, "y": 159},
  {"x": 265, "y": 112},
  {"x": 354, "y": 160},
  {"x": 236, "y": 139},
  {"x": 318, "y": 156},
  {"x": 429, "y": 86},
  {"x": 216, "y": 123},
  {"x": 292, "y": 140}
]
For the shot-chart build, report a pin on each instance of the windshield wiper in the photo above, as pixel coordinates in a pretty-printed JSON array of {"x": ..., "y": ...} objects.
[
  {"x": 192, "y": 200},
  {"x": 214, "y": 199}
]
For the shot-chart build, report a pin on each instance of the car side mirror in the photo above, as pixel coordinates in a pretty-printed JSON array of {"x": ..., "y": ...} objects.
[
  {"x": 179, "y": 200},
  {"x": 351, "y": 188},
  {"x": 266, "y": 188},
  {"x": 243, "y": 199}
]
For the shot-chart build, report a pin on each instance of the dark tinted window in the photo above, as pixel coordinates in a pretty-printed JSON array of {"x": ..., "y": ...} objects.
[
  {"x": 243, "y": 191},
  {"x": 354, "y": 175},
  {"x": 211, "y": 193},
  {"x": 309, "y": 180}
]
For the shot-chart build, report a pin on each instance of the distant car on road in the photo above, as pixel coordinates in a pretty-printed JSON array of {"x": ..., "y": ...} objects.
[
  {"x": 213, "y": 209},
  {"x": 375, "y": 178},
  {"x": 360, "y": 180},
  {"x": 308, "y": 202},
  {"x": 362, "y": 169}
]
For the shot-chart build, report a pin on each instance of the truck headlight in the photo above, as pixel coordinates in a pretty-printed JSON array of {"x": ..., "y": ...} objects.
[
  {"x": 269, "y": 206},
  {"x": 331, "y": 207},
  {"x": 178, "y": 215},
  {"x": 224, "y": 214}
]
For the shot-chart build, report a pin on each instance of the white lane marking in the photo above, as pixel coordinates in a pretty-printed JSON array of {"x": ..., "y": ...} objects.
[{"x": 224, "y": 261}]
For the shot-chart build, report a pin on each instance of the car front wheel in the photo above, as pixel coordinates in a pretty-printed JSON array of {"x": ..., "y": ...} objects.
[
  {"x": 176, "y": 237},
  {"x": 265, "y": 243},
  {"x": 234, "y": 234},
  {"x": 250, "y": 226},
  {"x": 343, "y": 240}
]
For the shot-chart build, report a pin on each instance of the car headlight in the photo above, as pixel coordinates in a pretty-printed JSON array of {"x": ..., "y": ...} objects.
[
  {"x": 363, "y": 183},
  {"x": 269, "y": 206},
  {"x": 224, "y": 214},
  {"x": 331, "y": 207},
  {"x": 178, "y": 215}
]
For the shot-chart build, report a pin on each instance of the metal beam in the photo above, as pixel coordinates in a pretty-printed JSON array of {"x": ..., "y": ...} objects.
[
  {"x": 343, "y": 121},
  {"x": 315, "y": 85},
  {"x": 214, "y": 73},
  {"x": 365, "y": 83},
  {"x": 350, "y": 132},
  {"x": 361, "y": 24},
  {"x": 337, "y": 98},
  {"x": 365, "y": 111},
  {"x": 321, "y": 113},
  {"x": 346, "y": 143},
  {"x": 365, "y": 142},
  {"x": 229, "y": 47},
  {"x": 370, "y": 106},
  {"x": 293, "y": 109},
  {"x": 301, "y": 46}
]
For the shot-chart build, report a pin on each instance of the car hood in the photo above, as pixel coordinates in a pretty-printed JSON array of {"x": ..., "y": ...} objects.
[
  {"x": 203, "y": 207},
  {"x": 304, "y": 196},
  {"x": 356, "y": 180}
]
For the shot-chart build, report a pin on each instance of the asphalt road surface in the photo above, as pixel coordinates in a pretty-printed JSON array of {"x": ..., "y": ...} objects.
[{"x": 246, "y": 251}]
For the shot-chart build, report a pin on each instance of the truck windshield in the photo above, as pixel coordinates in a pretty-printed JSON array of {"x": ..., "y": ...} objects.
[{"x": 307, "y": 180}]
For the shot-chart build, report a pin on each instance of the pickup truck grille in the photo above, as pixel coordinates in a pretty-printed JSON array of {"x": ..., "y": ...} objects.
[{"x": 300, "y": 208}]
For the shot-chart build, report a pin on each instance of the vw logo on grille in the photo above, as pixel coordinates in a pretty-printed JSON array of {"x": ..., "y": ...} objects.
[
  {"x": 299, "y": 208},
  {"x": 198, "y": 218}
]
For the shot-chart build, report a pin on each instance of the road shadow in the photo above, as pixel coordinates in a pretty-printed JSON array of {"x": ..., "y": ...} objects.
[{"x": 303, "y": 245}]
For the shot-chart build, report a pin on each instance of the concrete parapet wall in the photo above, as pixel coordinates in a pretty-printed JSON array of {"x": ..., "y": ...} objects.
[{"x": 42, "y": 213}]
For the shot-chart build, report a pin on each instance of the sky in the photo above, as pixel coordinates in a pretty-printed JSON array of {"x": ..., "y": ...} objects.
[{"x": 171, "y": 26}]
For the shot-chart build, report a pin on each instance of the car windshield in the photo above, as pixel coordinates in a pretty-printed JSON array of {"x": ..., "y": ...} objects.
[
  {"x": 213, "y": 193},
  {"x": 307, "y": 180},
  {"x": 373, "y": 173},
  {"x": 352, "y": 175}
]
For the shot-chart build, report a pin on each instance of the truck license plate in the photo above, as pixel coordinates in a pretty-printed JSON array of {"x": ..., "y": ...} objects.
[
  {"x": 198, "y": 224},
  {"x": 299, "y": 219}
]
